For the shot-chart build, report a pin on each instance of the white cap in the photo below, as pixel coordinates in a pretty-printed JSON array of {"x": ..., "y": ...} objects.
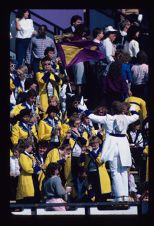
[{"x": 109, "y": 29}]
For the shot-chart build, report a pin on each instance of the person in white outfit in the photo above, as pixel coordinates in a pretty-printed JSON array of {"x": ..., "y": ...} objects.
[
  {"x": 14, "y": 172},
  {"x": 116, "y": 147},
  {"x": 131, "y": 45},
  {"x": 25, "y": 30}
]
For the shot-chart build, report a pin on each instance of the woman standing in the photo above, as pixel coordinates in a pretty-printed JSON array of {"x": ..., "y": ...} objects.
[
  {"x": 140, "y": 74},
  {"x": 131, "y": 45},
  {"x": 25, "y": 30},
  {"x": 116, "y": 148}
]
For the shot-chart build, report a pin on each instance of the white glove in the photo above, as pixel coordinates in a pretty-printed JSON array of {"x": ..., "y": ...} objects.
[
  {"x": 140, "y": 18},
  {"x": 82, "y": 107},
  {"x": 62, "y": 92}
]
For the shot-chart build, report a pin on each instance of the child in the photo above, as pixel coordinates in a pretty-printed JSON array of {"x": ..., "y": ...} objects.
[
  {"x": 14, "y": 172},
  {"x": 53, "y": 188}
]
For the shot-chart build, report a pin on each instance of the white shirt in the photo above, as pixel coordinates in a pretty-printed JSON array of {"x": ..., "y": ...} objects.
[
  {"x": 139, "y": 140},
  {"x": 14, "y": 167},
  {"x": 27, "y": 28},
  {"x": 109, "y": 120},
  {"x": 96, "y": 40},
  {"x": 140, "y": 74},
  {"x": 109, "y": 50},
  {"x": 131, "y": 48},
  {"x": 23, "y": 84}
]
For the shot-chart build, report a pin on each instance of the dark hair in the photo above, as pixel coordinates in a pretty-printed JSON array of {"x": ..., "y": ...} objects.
[
  {"x": 28, "y": 83},
  {"x": 63, "y": 146},
  {"x": 103, "y": 109},
  {"x": 21, "y": 12},
  {"x": 122, "y": 57},
  {"x": 48, "y": 49},
  {"x": 142, "y": 57},
  {"x": 72, "y": 120},
  {"x": 24, "y": 143},
  {"x": 51, "y": 168},
  {"x": 114, "y": 70},
  {"x": 43, "y": 25},
  {"x": 97, "y": 31},
  {"x": 94, "y": 139},
  {"x": 46, "y": 58},
  {"x": 43, "y": 143},
  {"x": 31, "y": 93},
  {"x": 123, "y": 24},
  {"x": 136, "y": 123},
  {"x": 131, "y": 34},
  {"x": 75, "y": 18},
  {"x": 22, "y": 113},
  {"x": 116, "y": 107},
  {"x": 52, "y": 109}
]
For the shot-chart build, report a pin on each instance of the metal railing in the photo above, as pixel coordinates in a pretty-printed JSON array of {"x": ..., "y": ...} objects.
[{"x": 108, "y": 206}]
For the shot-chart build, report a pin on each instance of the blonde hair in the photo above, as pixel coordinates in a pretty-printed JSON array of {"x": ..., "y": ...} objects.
[
  {"x": 23, "y": 69},
  {"x": 95, "y": 139},
  {"x": 54, "y": 98}
]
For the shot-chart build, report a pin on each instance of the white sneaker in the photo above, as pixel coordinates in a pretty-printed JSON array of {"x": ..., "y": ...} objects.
[
  {"x": 126, "y": 199},
  {"x": 119, "y": 199}
]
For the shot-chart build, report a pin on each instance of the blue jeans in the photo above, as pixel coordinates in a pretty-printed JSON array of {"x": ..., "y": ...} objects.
[{"x": 21, "y": 48}]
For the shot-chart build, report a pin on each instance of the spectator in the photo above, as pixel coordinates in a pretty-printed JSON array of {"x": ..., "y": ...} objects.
[
  {"x": 37, "y": 46},
  {"x": 122, "y": 34},
  {"x": 124, "y": 59},
  {"x": 109, "y": 48},
  {"x": 14, "y": 172},
  {"x": 75, "y": 21},
  {"x": 114, "y": 86},
  {"x": 25, "y": 30},
  {"x": 140, "y": 74},
  {"x": 53, "y": 188},
  {"x": 80, "y": 33},
  {"x": 131, "y": 45}
]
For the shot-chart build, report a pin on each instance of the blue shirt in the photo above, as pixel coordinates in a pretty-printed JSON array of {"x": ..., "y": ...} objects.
[{"x": 126, "y": 72}]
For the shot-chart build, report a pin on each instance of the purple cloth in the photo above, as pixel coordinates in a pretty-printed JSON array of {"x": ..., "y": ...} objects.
[
  {"x": 89, "y": 52},
  {"x": 114, "y": 86}
]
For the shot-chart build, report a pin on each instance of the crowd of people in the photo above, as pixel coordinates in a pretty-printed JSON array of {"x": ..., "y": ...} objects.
[{"x": 78, "y": 136}]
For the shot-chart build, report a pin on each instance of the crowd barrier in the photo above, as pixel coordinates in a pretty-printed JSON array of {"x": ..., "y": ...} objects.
[{"x": 107, "y": 208}]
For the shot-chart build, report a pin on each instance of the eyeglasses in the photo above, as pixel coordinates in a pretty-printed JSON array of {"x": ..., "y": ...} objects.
[
  {"x": 47, "y": 64},
  {"x": 12, "y": 65}
]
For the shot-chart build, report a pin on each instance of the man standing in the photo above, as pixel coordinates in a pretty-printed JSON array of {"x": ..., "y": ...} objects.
[
  {"x": 37, "y": 46},
  {"x": 75, "y": 20}
]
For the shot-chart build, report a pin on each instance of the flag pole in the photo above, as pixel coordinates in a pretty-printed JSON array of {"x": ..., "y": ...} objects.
[{"x": 57, "y": 38}]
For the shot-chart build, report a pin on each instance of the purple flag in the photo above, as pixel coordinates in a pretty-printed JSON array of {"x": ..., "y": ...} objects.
[{"x": 78, "y": 51}]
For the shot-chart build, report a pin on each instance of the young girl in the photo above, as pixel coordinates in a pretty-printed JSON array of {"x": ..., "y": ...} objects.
[
  {"x": 53, "y": 189},
  {"x": 14, "y": 172}
]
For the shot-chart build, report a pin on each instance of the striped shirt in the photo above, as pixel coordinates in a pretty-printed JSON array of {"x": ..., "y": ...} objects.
[{"x": 37, "y": 47}]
